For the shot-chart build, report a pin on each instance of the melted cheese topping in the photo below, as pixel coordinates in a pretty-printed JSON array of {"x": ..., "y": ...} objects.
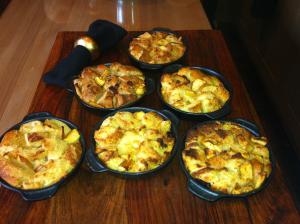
[
  {"x": 110, "y": 86},
  {"x": 227, "y": 156},
  {"x": 157, "y": 48},
  {"x": 39, "y": 154},
  {"x": 134, "y": 142},
  {"x": 193, "y": 91}
]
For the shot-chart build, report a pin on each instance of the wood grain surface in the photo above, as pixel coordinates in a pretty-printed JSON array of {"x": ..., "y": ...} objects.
[{"x": 161, "y": 198}]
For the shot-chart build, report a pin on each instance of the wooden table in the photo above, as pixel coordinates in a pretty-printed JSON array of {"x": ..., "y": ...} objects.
[{"x": 162, "y": 198}]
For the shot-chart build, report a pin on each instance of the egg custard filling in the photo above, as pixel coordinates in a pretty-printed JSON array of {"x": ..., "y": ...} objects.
[
  {"x": 157, "y": 48},
  {"x": 110, "y": 86},
  {"x": 227, "y": 156},
  {"x": 39, "y": 154},
  {"x": 191, "y": 90},
  {"x": 134, "y": 141}
]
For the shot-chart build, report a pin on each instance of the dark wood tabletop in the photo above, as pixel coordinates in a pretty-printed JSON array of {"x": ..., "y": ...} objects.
[{"x": 162, "y": 198}]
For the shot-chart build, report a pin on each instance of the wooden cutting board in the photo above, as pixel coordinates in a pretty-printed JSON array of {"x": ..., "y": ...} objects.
[{"x": 162, "y": 198}]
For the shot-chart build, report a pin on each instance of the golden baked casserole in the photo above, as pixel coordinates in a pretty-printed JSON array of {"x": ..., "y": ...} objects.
[
  {"x": 191, "y": 90},
  {"x": 228, "y": 157},
  {"x": 39, "y": 154},
  {"x": 134, "y": 142},
  {"x": 110, "y": 86},
  {"x": 157, "y": 47}
]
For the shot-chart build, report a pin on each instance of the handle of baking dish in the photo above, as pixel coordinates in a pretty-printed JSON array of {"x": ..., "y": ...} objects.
[
  {"x": 172, "y": 117},
  {"x": 163, "y": 29},
  {"x": 247, "y": 124},
  {"x": 70, "y": 86},
  {"x": 38, "y": 195},
  {"x": 37, "y": 115},
  {"x": 150, "y": 85},
  {"x": 226, "y": 109},
  {"x": 201, "y": 191},
  {"x": 172, "y": 68},
  {"x": 221, "y": 113},
  {"x": 92, "y": 162}
]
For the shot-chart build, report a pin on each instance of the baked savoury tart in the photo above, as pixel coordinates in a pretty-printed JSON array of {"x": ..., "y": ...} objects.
[
  {"x": 133, "y": 141},
  {"x": 39, "y": 154},
  {"x": 193, "y": 90},
  {"x": 229, "y": 156},
  {"x": 110, "y": 86},
  {"x": 157, "y": 47}
]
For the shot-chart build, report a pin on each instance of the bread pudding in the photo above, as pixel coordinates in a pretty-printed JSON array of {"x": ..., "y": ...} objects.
[
  {"x": 110, "y": 86},
  {"x": 134, "y": 141},
  {"x": 193, "y": 91},
  {"x": 227, "y": 156},
  {"x": 39, "y": 154},
  {"x": 157, "y": 47}
]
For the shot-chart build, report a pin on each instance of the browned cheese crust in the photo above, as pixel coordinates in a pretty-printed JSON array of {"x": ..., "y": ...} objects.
[
  {"x": 157, "y": 48},
  {"x": 39, "y": 154},
  {"x": 134, "y": 142},
  {"x": 227, "y": 156},
  {"x": 110, "y": 86},
  {"x": 191, "y": 90}
]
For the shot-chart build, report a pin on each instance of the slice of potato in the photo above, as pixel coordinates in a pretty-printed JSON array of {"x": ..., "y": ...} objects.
[
  {"x": 99, "y": 81},
  {"x": 72, "y": 137}
]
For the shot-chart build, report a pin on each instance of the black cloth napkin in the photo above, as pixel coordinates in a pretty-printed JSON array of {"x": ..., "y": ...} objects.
[{"x": 106, "y": 34}]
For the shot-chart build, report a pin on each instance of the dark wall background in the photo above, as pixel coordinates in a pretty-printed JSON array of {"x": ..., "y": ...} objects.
[{"x": 270, "y": 30}]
